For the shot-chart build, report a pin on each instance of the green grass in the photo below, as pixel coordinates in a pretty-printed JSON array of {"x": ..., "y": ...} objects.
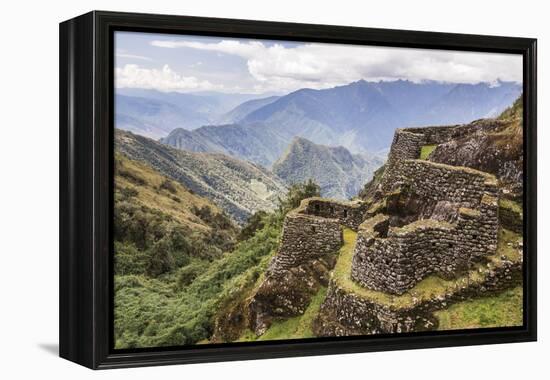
[
  {"x": 299, "y": 327},
  {"x": 504, "y": 309},
  {"x": 510, "y": 205},
  {"x": 431, "y": 286},
  {"x": 426, "y": 150}
]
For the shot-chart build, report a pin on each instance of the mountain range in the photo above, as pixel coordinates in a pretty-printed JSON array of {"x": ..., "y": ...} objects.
[
  {"x": 242, "y": 110},
  {"x": 360, "y": 116},
  {"x": 239, "y": 187},
  {"x": 155, "y": 113},
  {"x": 327, "y": 135},
  {"x": 340, "y": 174},
  {"x": 252, "y": 142}
]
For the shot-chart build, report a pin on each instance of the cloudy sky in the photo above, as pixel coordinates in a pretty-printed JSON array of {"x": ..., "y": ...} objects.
[{"x": 236, "y": 65}]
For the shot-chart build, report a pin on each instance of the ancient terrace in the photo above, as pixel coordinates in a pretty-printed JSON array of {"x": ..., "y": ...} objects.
[
  {"x": 425, "y": 219},
  {"x": 433, "y": 218}
]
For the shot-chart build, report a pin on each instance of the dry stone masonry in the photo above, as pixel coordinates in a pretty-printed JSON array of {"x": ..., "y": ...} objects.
[
  {"x": 453, "y": 214},
  {"x": 425, "y": 219},
  {"x": 314, "y": 230},
  {"x": 311, "y": 239}
]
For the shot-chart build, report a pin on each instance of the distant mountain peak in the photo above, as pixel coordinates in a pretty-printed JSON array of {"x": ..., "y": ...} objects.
[{"x": 339, "y": 173}]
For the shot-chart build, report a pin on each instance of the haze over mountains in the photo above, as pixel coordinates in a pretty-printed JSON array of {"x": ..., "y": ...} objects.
[
  {"x": 360, "y": 116},
  {"x": 155, "y": 113}
]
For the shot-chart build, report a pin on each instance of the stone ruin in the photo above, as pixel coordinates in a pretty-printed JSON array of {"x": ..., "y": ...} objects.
[
  {"x": 426, "y": 218},
  {"x": 313, "y": 230},
  {"x": 439, "y": 219},
  {"x": 311, "y": 238}
]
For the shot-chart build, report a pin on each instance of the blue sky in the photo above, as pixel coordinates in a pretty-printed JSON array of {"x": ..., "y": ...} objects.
[{"x": 167, "y": 62}]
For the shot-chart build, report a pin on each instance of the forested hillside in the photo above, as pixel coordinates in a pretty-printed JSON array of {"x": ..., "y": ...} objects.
[{"x": 178, "y": 257}]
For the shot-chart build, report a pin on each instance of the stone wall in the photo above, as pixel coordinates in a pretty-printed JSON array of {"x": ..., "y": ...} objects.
[
  {"x": 345, "y": 313},
  {"x": 435, "y": 182},
  {"x": 395, "y": 259},
  {"x": 408, "y": 142},
  {"x": 314, "y": 229},
  {"x": 311, "y": 238},
  {"x": 441, "y": 134},
  {"x": 304, "y": 238},
  {"x": 405, "y": 145},
  {"x": 349, "y": 214}
]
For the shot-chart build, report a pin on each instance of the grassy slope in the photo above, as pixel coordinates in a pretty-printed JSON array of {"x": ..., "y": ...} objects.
[
  {"x": 147, "y": 181},
  {"x": 223, "y": 179},
  {"x": 511, "y": 205},
  {"x": 161, "y": 311},
  {"x": 515, "y": 111},
  {"x": 293, "y": 328},
  {"x": 504, "y": 309}
]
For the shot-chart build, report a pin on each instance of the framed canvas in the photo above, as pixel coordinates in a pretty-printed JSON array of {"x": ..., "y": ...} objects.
[{"x": 234, "y": 189}]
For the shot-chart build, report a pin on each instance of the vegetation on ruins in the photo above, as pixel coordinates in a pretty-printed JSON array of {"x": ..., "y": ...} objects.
[
  {"x": 426, "y": 150},
  {"x": 430, "y": 287}
]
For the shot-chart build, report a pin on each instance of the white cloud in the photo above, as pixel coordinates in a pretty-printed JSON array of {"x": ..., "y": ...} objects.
[
  {"x": 124, "y": 54},
  {"x": 276, "y": 67},
  {"x": 165, "y": 79}
]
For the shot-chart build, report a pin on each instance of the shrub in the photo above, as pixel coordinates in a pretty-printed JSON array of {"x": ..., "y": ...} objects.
[
  {"x": 187, "y": 274},
  {"x": 168, "y": 186},
  {"x": 131, "y": 176},
  {"x": 164, "y": 311},
  {"x": 160, "y": 259},
  {"x": 254, "y": 223},
  {"x": 128, "y": 259},
  {"x": 139, "y": 225},
  {"x": 298, "y": 192},
  {"x": 128, "y": 192},
  {"x": 213, "y": 219}
]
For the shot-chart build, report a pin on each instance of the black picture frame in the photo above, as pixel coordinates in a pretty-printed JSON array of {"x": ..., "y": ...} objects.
[{"x": 86, "y": 193}]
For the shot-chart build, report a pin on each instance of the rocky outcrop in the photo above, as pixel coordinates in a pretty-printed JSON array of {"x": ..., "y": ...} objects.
[
  {"x": 287, "y": 293},
  {"x": 492, "y": 145}
]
